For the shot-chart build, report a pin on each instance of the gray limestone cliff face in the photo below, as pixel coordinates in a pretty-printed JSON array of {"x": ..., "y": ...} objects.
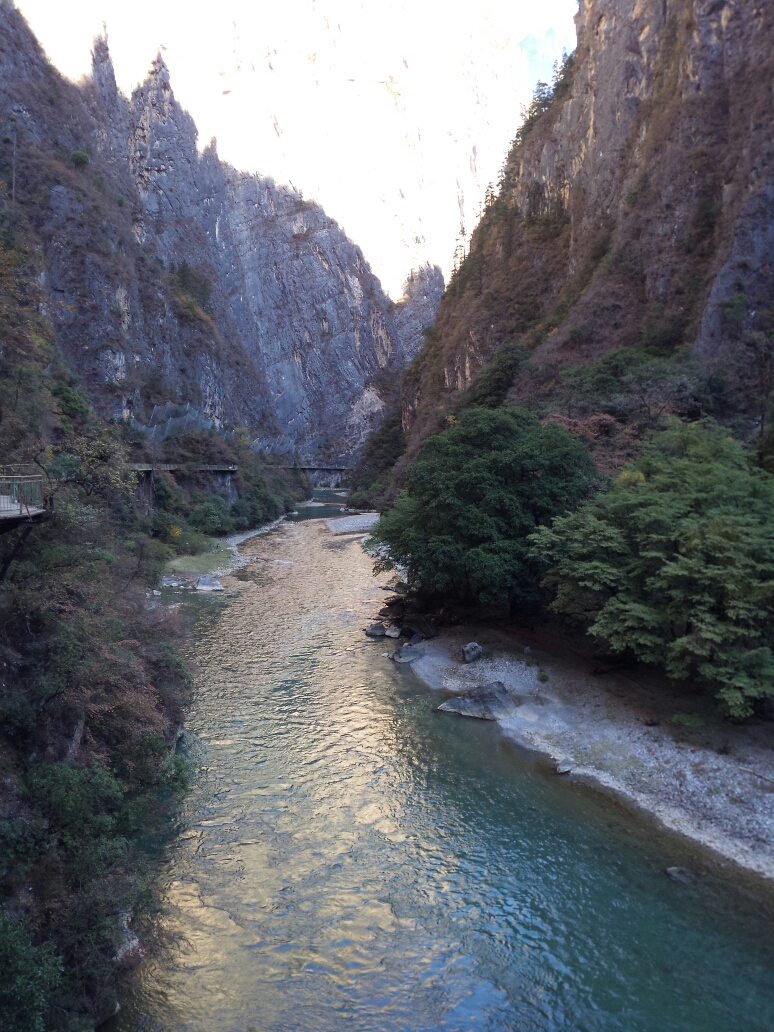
[
  {"x": 170, "y": 275},
  {"x": 415, "y": 312},
  {"x": 672, "y": 100},
  {"x": 287, "y": 284},
  {"x": 635, "y": 212}
]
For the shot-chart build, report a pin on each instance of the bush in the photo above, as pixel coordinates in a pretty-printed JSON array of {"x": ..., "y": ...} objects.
[
  {"x": 79, "y": 803},
  {"x": 73, "y": 402},
  {"x": 29, "y": 975},
  {"x": 17, "y": 717},
  {"x": 79, "y": 158},
  {"x": 474, "y": 495},
  {"x": 674, "y": 564},
  {"x": 493, "y": 383},
  {"x": 212, "y": 515},
  {"x": 191, "y": 287}
]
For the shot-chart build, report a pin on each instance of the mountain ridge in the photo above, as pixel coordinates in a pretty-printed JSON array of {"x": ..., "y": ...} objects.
[
  {"x": 297, "y": 327},
  {"x": 634, "y": 212}
]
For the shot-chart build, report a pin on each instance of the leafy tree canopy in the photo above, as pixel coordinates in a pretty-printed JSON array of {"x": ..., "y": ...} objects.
[
  {"x": 675, "y": 563},
  {"x": 473, "y": 496}
]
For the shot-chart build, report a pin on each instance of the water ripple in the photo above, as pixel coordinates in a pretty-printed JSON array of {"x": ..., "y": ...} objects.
[{"x": 347, "y": 857}]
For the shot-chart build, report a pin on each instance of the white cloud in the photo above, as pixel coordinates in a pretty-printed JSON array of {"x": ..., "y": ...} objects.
[{"x": 393, "y": 115}]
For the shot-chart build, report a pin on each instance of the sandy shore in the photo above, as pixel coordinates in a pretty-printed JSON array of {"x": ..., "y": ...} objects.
[{"x": 714, "y": 784}]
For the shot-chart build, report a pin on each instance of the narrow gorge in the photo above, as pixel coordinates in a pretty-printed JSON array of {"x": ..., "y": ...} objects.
[{"x": 392, "y": 664}]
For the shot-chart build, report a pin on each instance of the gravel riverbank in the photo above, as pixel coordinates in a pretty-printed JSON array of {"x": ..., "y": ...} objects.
[{"x": 709, "y": 781}]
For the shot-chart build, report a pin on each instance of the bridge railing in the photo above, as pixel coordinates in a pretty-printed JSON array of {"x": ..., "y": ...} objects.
[{"x": 20, "y": 493}]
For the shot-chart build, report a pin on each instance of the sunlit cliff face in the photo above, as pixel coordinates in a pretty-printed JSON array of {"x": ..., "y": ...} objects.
[{"x": 394, "y": 116}]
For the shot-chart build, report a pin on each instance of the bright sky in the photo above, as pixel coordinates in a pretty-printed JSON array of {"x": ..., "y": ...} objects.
[{"x": 392, "y": 114}]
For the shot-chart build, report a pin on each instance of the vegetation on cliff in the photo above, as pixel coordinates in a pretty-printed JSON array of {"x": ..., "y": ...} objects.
[
  {"x": 92, "y": 690},
  {"x": 618, "y": 285}
]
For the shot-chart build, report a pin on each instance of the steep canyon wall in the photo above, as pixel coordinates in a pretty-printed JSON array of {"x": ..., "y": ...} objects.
[
  {"x": 636, "y": 212},
  {"x": 169, "y": 275}
]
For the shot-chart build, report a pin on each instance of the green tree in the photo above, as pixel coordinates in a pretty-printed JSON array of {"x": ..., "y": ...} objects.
[
  {"x": 473, "y": 496},
  {"x": 674, "y": 564},
  {"x": 496, "y": 379}
]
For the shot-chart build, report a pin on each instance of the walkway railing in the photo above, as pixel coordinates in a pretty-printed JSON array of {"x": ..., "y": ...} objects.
[{"x": 20, "y": 493}]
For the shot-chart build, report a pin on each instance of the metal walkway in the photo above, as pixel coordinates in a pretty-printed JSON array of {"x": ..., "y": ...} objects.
[{"x": 21, "y": 498}]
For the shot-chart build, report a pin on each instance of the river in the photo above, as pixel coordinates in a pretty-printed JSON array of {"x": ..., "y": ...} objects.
[{"x": 348, "y": 858}]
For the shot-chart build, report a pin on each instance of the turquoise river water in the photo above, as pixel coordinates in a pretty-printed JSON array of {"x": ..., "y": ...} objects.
[{"x": 346, "y": 858}]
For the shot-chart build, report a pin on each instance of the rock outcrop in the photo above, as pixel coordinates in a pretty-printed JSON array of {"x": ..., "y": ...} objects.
[
  {"x": 417, "y": 308},
  {"x": 169, "y": 275},
  {"x": 636, "y": 211}
]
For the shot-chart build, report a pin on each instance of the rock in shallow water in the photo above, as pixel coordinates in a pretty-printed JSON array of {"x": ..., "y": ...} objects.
[
  {"x": 486, "y": 702},
  {"x": 682, "y": 875},
  {"x": 377, "y": 630},
  {"x": 408, "y": 653},
  {"x": 393, "y": 631},
  {"x": 565, "y": 766}
]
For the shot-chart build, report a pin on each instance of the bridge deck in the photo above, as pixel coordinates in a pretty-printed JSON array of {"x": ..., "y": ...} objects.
[
  {"x": 20, "y": 512},
  {"x": 163, "y": 467}
]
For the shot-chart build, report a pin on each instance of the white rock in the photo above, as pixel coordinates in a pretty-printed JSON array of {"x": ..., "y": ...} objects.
[{"x": 472, "y": 651}]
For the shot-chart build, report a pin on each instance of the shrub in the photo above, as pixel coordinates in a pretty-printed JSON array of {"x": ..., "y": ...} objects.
[
  {"x": 212, "y": 515},
  {"x": 78, "y": 802},
  {"x": 494, "y": 381},
  {"x": 73, "y": 402},
  {"x": 192, "y": 288},
  {"x": 674, "y": 564},
  {"x": 29, "y": 975},
  {"x": 79, "y": 158},
  {"x": 474, "y": 495}
]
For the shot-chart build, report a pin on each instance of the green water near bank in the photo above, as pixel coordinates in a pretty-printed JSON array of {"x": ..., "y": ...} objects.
[{"x": 347, "y": 858}]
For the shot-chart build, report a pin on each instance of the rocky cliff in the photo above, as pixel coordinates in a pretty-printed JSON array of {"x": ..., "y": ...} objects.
[
  {"x": 170, "y": 276},
  {"x": 635, "y": 211}
]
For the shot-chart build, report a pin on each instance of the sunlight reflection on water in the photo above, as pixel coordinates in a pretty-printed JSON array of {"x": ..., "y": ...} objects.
[{"x": 349, "y": 858}]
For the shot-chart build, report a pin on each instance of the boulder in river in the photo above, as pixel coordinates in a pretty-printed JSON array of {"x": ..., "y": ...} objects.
[
  {"x": 377, "y": 630},
  {"x": 207, "y": 583},
  {"x": 565, "y": 765},
  {"x": 491, "y": 701},
  {"x": 170, "y": 581},
  {"x": 393, "y": 631},
  {"x": 472, "y": 651}
]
